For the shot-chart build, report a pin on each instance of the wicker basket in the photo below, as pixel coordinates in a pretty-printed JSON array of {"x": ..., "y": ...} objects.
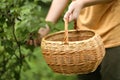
[{"x": 80, "y": 53}]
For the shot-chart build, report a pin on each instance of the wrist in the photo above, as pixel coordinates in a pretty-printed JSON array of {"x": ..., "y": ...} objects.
[
  {"x": 51, "y": 20},
  {"x": 50, "y": 25}
]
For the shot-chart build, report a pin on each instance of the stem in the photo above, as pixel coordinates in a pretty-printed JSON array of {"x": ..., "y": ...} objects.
[
  {"x": 17, "y": 41},
  {"x": 19, "y": 48}
]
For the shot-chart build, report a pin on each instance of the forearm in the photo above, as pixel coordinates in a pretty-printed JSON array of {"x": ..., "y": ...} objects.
[
  {"x": 56, "y": 10},
  {"x": 76, "y": 6}
]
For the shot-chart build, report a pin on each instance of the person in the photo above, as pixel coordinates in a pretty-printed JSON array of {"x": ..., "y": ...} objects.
[{"x": 101, "y": 16}]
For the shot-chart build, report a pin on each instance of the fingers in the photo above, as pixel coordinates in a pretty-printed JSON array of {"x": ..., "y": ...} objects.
[
  {"x": 73, "y": 11},
  {"x": 75, "y": 14},
  {"x": 68, "y": 14}
]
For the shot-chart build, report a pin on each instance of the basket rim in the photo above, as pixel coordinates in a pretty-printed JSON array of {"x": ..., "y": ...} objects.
[{"x": 49, "y": 41}]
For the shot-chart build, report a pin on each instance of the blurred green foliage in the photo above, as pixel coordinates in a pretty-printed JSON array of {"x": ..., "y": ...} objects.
[{"x": 18, "y": 61}]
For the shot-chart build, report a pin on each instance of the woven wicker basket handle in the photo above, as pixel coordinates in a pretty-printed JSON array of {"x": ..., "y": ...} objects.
[{"x": 66, "y": 30}]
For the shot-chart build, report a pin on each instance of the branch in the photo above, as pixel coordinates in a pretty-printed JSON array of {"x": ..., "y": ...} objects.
[{"x": 20, "y": 53}]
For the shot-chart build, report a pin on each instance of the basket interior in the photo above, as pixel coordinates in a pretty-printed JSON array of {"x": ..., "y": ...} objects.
[{"x": 72, "y": 36}]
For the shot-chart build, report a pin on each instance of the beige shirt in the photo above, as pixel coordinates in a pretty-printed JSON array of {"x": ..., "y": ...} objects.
[{"x": 105, "y": 20}]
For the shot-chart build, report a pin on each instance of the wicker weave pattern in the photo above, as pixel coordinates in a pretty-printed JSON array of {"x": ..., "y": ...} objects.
[{"x": 76, "y": 57}]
